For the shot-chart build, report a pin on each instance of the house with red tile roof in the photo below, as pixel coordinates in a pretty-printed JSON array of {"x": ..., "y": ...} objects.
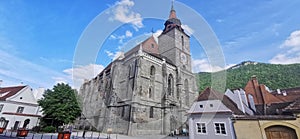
[{"x": 17, "y": 105}]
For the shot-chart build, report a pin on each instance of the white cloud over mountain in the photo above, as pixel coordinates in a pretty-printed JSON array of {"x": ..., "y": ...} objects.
[{"x": 290, "y": 50}]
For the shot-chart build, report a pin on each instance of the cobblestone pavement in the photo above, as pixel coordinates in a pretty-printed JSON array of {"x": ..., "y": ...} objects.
[{"x": 88, "y": 135}]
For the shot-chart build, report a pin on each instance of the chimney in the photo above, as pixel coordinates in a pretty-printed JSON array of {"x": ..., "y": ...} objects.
[
  {"x": 278, "y": 91},
  {"x": 284, "y": 93}
]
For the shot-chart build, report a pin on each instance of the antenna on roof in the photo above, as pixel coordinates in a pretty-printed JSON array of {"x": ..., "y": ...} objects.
[{"x": 152, "y": 31}]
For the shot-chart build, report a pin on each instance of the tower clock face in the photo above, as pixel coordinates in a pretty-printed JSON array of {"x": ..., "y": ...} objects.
[{"x": 183, "y": 58}]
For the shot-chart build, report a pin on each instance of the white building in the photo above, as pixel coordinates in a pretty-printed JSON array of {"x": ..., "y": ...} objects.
[
  {"x": 210, "y": 117},
  {"x": 17, "y": 104}
]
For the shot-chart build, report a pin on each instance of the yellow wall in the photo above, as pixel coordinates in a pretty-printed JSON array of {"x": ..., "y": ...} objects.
[{"x": 255, "y": 129}]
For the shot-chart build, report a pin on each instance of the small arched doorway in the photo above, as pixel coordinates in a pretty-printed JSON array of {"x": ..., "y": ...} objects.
[{"x": 280, "y": 132}]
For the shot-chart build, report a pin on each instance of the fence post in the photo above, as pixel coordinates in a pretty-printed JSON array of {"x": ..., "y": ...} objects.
[
  {"x": 42, "y": 136},
  {"x": 32, "y": 136}
]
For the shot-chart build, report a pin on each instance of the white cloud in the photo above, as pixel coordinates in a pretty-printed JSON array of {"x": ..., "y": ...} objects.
[
  {"x": 156, "y": 34},
  {"x": 112, "y": 55},
  {"x": 202, "y": 65},
  {"x": 187, "y": 29},
  {"x": 80, "y": 73},
  {"x": 285, "y": 59},
  {"x": 128, "y": 34},
  {"x": 122, "y": 12},
  {"x": 220, "y": 20},
  {"x": 291, "y": 54},
  {"x": 15, "y": 70},
  {"x": 292, "y": 42}
]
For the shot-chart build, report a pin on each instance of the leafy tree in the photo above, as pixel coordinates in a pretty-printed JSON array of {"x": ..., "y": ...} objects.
[{"x": 59, "y": 105}]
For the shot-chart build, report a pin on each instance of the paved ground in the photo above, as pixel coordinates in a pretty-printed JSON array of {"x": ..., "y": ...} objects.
[{"x": 88, "y": 135}]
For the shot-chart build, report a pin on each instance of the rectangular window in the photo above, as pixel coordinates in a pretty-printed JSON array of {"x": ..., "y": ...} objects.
[
  {"x": 20, "y": 109},
  {"x": 1, "y": 107},
  {"x": 220, "y": 129},
  {"x": 201, "y": 128}
]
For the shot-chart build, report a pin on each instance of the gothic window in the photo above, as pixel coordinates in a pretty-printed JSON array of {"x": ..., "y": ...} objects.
[
  {"x": 170, "y": 84},
  {"x": 123, "y": 112},
  {"x": 151, "y": 113},
  {"x": 129, "y": 71},
  {"x": 150, "y": 92},
  {"x": 186, "y": 89},
  {"x": 152, "y": 71},
  {"x": 182, "y": 41}
]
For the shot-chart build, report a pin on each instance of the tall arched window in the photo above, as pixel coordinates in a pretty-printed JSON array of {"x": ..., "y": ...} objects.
[
  {"x": 152, "y": 71},
  {"x": 182, "y": 40},
  {"x": 186, "y": 89},
  {"x": 170, "y": 85},
  {"x": 151, "y": 113},
  {"x": 150, "y": 93}
]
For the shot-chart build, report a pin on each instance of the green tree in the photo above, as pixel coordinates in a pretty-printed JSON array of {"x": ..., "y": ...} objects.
[{"x": 60, "y": 105}]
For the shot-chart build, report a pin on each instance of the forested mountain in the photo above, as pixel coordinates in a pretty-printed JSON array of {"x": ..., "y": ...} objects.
[{"x": 272, "y": 75}]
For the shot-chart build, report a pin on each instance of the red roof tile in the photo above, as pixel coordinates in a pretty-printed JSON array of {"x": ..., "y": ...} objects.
[
  {"x": 10, "y": 91},
  {"x": 259, "y": 93}
]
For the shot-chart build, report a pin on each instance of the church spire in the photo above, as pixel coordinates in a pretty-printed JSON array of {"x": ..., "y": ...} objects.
[{"x": 172, "y": 12}]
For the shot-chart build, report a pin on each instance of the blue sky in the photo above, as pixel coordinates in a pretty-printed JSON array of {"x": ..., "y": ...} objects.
[{"x": 40, "y": 39}]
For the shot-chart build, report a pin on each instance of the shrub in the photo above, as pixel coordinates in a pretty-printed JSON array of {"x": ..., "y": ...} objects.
[
  {"x": 36, "y": 129},
  {"x": 49, "y": 129}
]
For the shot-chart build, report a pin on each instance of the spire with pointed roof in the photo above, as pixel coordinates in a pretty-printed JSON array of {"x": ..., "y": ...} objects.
[
  {"x": 173, "y": 21},
  {"x": 172, "y": 12}
]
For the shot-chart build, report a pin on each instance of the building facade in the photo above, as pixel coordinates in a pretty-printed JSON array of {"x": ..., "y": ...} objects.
[
  {"x": 17, "y": 105},
  {"x": 210, "y": 117},
  {"x": 147, "y": 90}
]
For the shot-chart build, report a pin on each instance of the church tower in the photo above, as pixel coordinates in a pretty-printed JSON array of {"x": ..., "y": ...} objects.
[{"x": 174, "y": 43}]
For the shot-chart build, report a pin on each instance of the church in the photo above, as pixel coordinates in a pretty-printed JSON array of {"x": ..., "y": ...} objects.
[{"x": 147, "y": 90}]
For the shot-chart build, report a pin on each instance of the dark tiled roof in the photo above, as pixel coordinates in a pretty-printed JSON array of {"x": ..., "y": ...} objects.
[
  {"x": 265, "y": 117},
  {"x": 10, "y": 91},
  {"x": 293, "y": 107},
  {"x": 211, "y": 94},
  {"x": 291, "y": 94}
]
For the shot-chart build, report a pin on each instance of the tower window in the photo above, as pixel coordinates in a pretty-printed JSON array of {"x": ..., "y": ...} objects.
[
  {"x": 150, "y": 92},
  {"x": 152, "y": 45},
  {"x": 182, "y": 40},
  {"x": 123, "y": 112},
  {"x": 186, "y": 88},
  {"x": 152, "y": 71}
]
